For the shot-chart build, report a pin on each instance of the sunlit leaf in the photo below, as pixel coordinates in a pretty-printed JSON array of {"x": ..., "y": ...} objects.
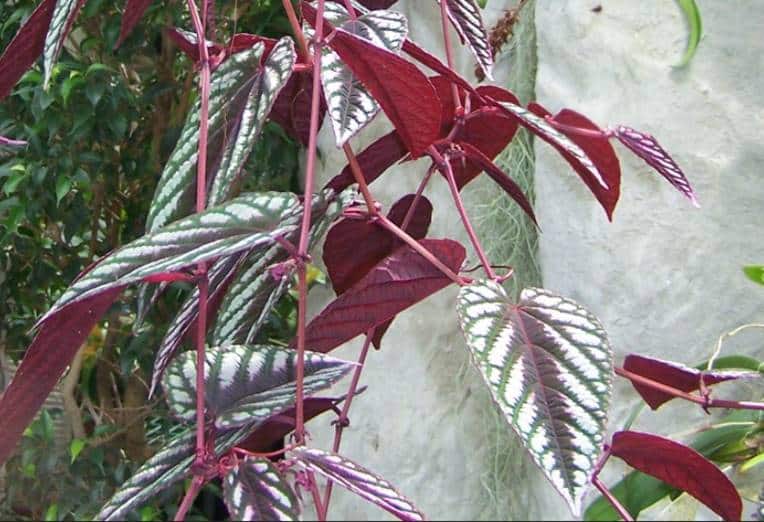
[
  {"x": 256, "y": 490},
  {"x": 548, "y": 364},
  {"x": 755, "y": 273}
]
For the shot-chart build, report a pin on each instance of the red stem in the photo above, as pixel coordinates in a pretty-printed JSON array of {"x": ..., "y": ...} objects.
[
  {"x": 417, "y": 197},
  {"x": 449, "y": 52},
  {"x": 310, "y": 170},
  {"x": 350, "y": 9},
  {"x": 706, "y": 402},
  {"x": 343, "y": 418},
  {"x": 193, "y": 490},
  {"x": 355, "y": 168},
  {"x": 445, "y": 165},
  {"x": 296, "y": 29},
  {"x": 611, "y": 498}
]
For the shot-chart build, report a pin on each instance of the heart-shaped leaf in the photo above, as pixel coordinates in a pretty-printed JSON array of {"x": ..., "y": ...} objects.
[
  {"x": 268, "y": 82},
  {"x": 648, "y": 148},
  {"x": 359, "y": 480},
  {"x": 60, "y": 24},
  {"x": 132, "y": 14},
  {"x": 599, "y": 150},
  {"x": 25, "y": 47},
  {"x": 256, "y": 490},
  {"x": 244, "y": 383},
  {"x": 243, "y": 223},
  {"x": 548, "y": 364},
  {"x": 397, "y": 282},
  {"x": 230, "y": 85},
  {"x": 675, "y": 375},
  {"x": 374, "y": 160},
  {"x": 681, "y": 467},
  {"x": 466, "y": 17}
]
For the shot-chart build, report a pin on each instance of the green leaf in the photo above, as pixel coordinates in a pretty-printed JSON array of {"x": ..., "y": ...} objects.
[
  {"x": 755, "y": 273},
  {"x": 548, "y": 364},
  {"x": 51, "y": 514},
  {"x": 692, "y": 13},
  {"x": 63, "y": 16},
  {"x": 256, "y": 490},
  {"x": 243, "y": 223},
  {"x": 266, "y": 86},
  {"x": 18, "y": 174},
  {"x": 63, "y": 186},
  {"x": 229, "y": 88},
  {"x": 246, "y": 384},
  {"x": 75, "y": 448},
  {"x": 733, "y": 362}
]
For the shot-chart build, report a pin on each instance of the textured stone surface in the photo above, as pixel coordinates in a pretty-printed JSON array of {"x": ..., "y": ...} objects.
[{"x": 664, "y": 278}]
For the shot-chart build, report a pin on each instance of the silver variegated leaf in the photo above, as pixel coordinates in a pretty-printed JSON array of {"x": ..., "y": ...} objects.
[
  {"x": 229, "y": 87},
  {"x": 266, "y": 86},
  {"x": 243, "y": 223},
  {"x": 541, "y": 127},
  {"x": 648, "y": 148},
  {"x": 350, "y": 106},
  {"x": 256, "y": 490},
  {"x": 359, "y": 480},
  {"x": 548, "y": 365},
  {"x": 245, "y": 384},
  {"x": 218, "y": 276},
  {"x": 168, "y": 466},
  {"x": 466, "y": 17},
  {"x": 63, "y": 16}
]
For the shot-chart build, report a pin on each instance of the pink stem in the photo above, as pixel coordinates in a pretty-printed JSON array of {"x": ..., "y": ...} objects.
[
  {"x": 622, "y": 511},
  {"x": 590, "y": 133},
  {"x": 445, "y": 165},
  {"x": 449, "y": 52},
  {"x": 706, "y": 402},
  {"x": 350, "y": 9},
  {"x": 343, "y": 418},
  {"x": 188, "y": 500},
  {"x": 310, "y": 170},
  {"x": 296, "y": 28},
  {"x": 417, "y": 197},
  {"x": 355, "y": 168}
]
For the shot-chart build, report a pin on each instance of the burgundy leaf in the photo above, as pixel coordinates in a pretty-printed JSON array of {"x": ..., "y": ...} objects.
[
  {"x": 647, "y": 148},
  {"x": 404, "y": 93},
  {"x": 680, "y": 467},
  {"x": 187, "y": 43},
  {"x": 377, "y": 4},
  {"x": 374, "y": 160},
  {"x": 134, "y": 10},
  {"x": 354, "y": 246},
  {"x": 291, "y": 109},
  {"x": 397, "y": 282},
  {"x": 675, "y": 375},
  {"x": 433, "y": 62},
  {"x": 496, "y": 174},
  {"x": 54, "y": 347},
  {"x": 25, "y": 47},
  {"x": 598, "y": 149}
]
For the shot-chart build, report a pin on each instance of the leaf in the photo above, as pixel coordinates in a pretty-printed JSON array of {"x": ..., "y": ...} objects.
[
  {"x": 692, "y": 13},
  {"x": 63, "y": 186},
  {"x": 647, "y": 148},
  {"x": 599, "y": 150},
  {"x": 541, "y": 128},
  {"x": 676, "y": 375},
  {"x": 25, "y": 47},
  {"x": 61, "y": 335},
  {"x": 75, "y": 448},
  {"x": 681, "y": 467},
  {"x": 255, "y": 490},
  {"x": 465, "y": 15},
  {"x": 377, "y": 4},
  {"x": 374, "y": 160},
  {"x": 354, "y": 246},
  {"x": 404, "y": 93},
  {"x": 503, "y": 180},
  {"x": 548, "y": 364},
  {"x": 245, "y": 222},
  {"x": 397, "y": 282},
  {"x": 219, "y": 277},
  {"x": 229, "y": 89},
  {"x": 433, "y": 62},
  {"x": 246, "y": 384},
  {"x": 292, "y": 108},
  {"x": 359, "y": 480},
  {"x": 755, "y": 273},
  {"x": 133, "y": 13},
  {"x": 266, "y": 86},
  {"x": 350, "y": 106},
  {"x": 60, "y": 24}
]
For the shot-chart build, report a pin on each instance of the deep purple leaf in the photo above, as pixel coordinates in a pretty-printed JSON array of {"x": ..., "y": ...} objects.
[
  {"x": 53, "y": 348},
  {"x": 405, "y": 94},
  {"x": 675, "y": 375},
  {"x": 25, "y": 47},
  {"x": 496, "y": 174},
  {"x": 648, "y": 148},
  {"x": 377, "y": 4},
  {"x": 681, "y": 467},
  {"x": 292, "y": 107},
  {"x": 374, "y": 160},
  {"x": 354, "y": 246},
  {"x": 598, "y": 149},
  {"x": 134, "y": 10},
  {"x": 397, "y": 282}
]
